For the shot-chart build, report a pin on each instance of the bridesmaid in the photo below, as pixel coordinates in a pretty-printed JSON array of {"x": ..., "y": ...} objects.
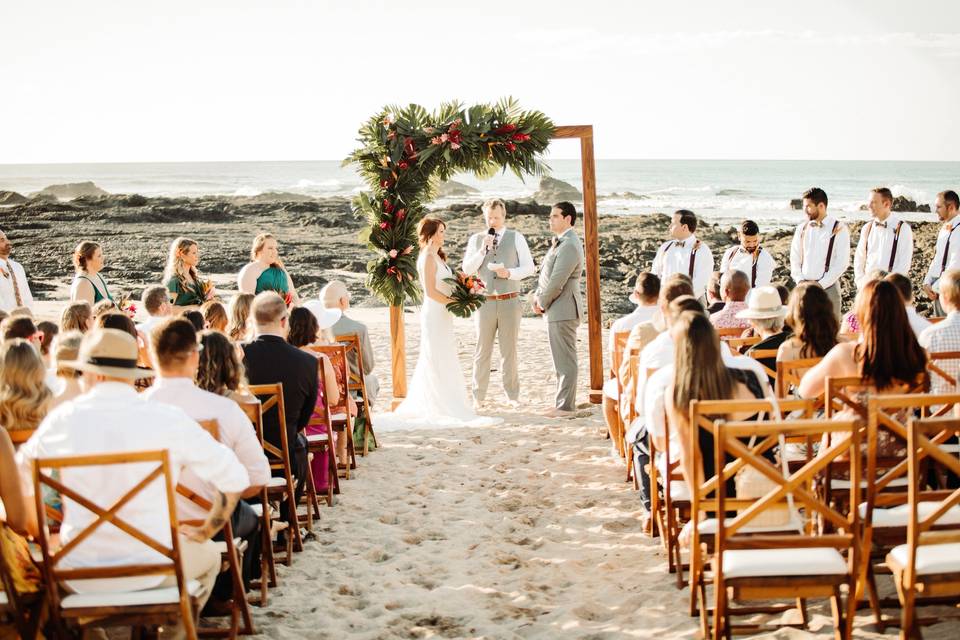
[
  {"x": 88, "y": 285},
  {"x": 180, "y": 276},
  {"x": 265, "y": 272}
]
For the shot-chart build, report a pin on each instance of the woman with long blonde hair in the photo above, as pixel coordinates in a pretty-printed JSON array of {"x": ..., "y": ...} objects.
[
  {"x": 181, "y": 277},
  {"x": 24, "y": 395},
  {"x": 265, "y": 271},
  {"x": 238, "y": 328}
]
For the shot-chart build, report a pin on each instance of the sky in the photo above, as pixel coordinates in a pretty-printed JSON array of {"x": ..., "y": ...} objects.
[{"x": 198, "y": 80}]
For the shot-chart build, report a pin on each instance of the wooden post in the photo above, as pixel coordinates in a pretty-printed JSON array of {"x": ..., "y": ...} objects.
[{"x": 398, "y": 355}]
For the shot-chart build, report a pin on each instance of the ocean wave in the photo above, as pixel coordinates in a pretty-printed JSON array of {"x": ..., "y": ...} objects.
[
  {"x": 247, "y": 192},
  {"x": 330, "y": 184}
]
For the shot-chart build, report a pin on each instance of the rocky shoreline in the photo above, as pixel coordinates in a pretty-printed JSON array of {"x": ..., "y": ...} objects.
[{"x": 320, "y": 239}]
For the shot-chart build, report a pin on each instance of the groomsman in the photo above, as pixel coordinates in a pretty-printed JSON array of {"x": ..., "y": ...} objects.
[
  {"x": 501, "y": 258},
  {"x": 820, "y": 251},
  {"x": 749, "y": 257},
  {"x": 886, "y": 242},
  {"x": 947, "y": 256},
  {"x": 14, "y": 290},
  {"x": 685, "y": 254}
]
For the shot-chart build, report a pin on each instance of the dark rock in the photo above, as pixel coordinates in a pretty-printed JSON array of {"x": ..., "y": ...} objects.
[
  {"x": 12, "y": 197},
  {"x": 796, "y": 204},
  {"x": 44, "y": 197},
  {"x": 626, "y": 195},
  {"x": 72, "y": 190},
  {"x": 452, "y": 189},
  {"x": 903, "y": 203},
  {"x": 272, "y": 197},
  {"x": 552, "y": 190},
  {"x": 923, "y": 208}
]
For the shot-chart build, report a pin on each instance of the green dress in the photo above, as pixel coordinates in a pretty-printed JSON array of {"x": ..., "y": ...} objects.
[
  {"x": 97, "y": 296},
  {"x": 273, "y": 279},
  {"x": 186, "y": 294}
]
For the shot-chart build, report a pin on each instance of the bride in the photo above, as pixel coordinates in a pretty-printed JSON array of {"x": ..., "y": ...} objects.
[{"x": 437, "y": 395}]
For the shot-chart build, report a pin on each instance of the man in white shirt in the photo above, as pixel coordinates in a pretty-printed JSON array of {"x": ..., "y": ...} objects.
[
  {"x": 111, "y": 417},
  {"x": 947, "y": 255},
  {"x": 685, "y": 253},
  {"x": 156, "y": 301},
  {"x": 501, "y": 258},
  {"x": 886, "y": 242},
  {"x": 945, "y": 335},
  {"x": 820, "y": 250},
  {"x": 749, "y": 257},
  {"x": 177, "y": 357},
  {"x": 14, "y": 289}
]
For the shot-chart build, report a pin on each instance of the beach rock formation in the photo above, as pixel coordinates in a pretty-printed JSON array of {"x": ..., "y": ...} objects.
[
  {"x": 453, "y": 189},
  {"x": 905, "y": 204},
  {"x": 552, "y": 190},
  {"x": 12, "y": 197},
  {"x": 796, "y": 204},
  {"x": 71, "y": 190}
]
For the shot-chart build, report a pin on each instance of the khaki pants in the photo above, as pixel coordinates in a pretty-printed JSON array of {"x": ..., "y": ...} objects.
[
  {"x": 833, "y": 292},
  {"x": 201, "y": 562}
]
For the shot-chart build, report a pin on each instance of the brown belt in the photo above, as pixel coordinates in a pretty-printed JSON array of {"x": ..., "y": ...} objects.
[{"x": 506, "y": 296}]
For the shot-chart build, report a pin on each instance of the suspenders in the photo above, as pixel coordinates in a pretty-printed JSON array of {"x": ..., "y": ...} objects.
[
  {"x": 946, "y": 249},
  {"x": 693, "y": 257},
  {"x": 893, "y": 249},
  {"x": 753, "y": 267},
  {"x": 833, "y": 238}
]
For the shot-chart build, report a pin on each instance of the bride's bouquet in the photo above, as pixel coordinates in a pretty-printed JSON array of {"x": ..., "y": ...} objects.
[{"x": 467, "y": 294}]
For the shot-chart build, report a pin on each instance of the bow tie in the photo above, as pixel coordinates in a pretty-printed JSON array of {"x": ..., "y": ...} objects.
[
  {"x": 882, "y": 225},
  {"x": 816, "y": 224},
  {"x": 678, "y": 243}
]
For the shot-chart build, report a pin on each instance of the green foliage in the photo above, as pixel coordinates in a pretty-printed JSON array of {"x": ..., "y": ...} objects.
[{"x": 406, "y": 152}]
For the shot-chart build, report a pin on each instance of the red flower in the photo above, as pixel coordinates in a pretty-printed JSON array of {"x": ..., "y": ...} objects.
[
  {"x": 384, "y": 225},
  {"x": 391, "y": 270},
  {"x": 454, "y": 136},
  {"x": 507, "y": 128},
  {"x": 401, "y": 214},
  {"x": 409, "y": 148},
  {"x": 520, "y": 137},
  {"x": 384, "y": 184},
  {"x": 387, "y": 206},
  {"x": 403, "y": 165},
  {"x": 511, "y": 147}
]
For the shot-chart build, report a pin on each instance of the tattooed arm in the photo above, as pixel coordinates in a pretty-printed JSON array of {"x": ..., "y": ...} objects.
[{"x": 222, "y": 509}]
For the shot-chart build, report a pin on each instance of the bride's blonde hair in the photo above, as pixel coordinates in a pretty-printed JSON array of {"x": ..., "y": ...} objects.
[{"x": 428, "y": 228}]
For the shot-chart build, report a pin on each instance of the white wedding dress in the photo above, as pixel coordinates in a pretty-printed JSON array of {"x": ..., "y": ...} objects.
[{"x": 437, "y": 394}]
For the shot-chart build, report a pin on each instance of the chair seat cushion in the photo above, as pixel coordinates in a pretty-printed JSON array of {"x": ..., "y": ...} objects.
[
  {"x": 278, "y": 481},
  {"x": 709, "y": 525},
  {"x": 164, "y": 595},
  {"x": 756, "y": 563},
  {"x": 339, "y": 417},
  {"x": 3, "y": 599},
  {"x": 840, "y": 483},
  {"x": 931, "y": 558},
  {"x": 317, "y": 437},
  {"x": 899, "y": 516}
]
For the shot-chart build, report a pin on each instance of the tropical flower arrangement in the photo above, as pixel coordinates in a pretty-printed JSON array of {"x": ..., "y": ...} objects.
[
  {"x": 467, "y": 294},
  {"x": 125, "y": 306},
  {"x": 209, "y": 291},
  {"x": 406, "y": 152}
]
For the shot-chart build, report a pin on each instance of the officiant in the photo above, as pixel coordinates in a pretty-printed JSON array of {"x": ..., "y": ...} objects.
[{"x": 501, "y": 258}]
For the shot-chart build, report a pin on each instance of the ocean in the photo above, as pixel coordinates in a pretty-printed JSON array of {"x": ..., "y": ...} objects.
[{"x": 721, "y": 191}]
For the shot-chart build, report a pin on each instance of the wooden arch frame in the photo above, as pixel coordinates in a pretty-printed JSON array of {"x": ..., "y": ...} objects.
[{"x": 591, "y": 241}]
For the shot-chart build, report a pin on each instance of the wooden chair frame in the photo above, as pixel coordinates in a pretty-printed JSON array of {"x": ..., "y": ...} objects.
[
  {"x": 338, "y": 358},
  {"x": 27, "y": 610},
  {"x": 936, "y": 370},
  {"x": 729, "y": 333},
  {"x": 358, "y": 383},
  {"x": 137, "y": 615},
  {"x": 732, "y": 532},
  {"x": 789, "y": 374},
  {"x": 631, "y": 413},
  {"x": 268, "y": 567},
  {"x": 736, "y": 344},
  {"x": 763, "y": 354},
  {"x": 616, "y": 359},
  {"x": 324, "y": 446}
]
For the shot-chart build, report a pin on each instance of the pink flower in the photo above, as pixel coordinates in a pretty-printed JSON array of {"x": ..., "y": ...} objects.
[
  {"x": 384, "y": 225},
  {"x": 393, "y": 254},
  {"x": 454, "y": 146},
  {"x": 436, "y": 140},
  {"x": 444, "y": 138},
  {"x": 408, "y": 250}
]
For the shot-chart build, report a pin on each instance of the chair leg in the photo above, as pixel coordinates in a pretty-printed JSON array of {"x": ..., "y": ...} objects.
[
  {"x": 872, "y": 594},
  {"x": 802, "y": 608},
  {"x": 719, "y": 609},
  {"x": 333, "y": 482},
  {"x": 839, "y": 629}
]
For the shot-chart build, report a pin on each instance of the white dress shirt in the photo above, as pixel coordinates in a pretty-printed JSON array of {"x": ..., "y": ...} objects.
[
  {"x": 738, "y": 258},
  {"x": 673, "y": 256},
  {"x": 938, "y": 338},
  {"x": 113, "y": 418},
  {"x": 917, "y": 322},
  {"x": 475, "y": 253},
  {"x": 236, "y": 433},
  {"x": 148, "y": 325},
  {"x": 10, "y": 269},
  {"x": 808, "y": 252},
  {"x": 876, "y": 245},
  {"x": 936, "y": 269},
  {"x": 642, "y": 313}
]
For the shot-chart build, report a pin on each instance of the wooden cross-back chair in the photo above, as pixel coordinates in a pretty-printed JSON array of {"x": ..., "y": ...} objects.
[
  {"x": 616, "y": 359},
  {"x": 789, "y": 373},
  {"x": 729, "y": 333},
  {"x": 936, "y": 319},
  {"x": 765, "y": 354},
  {"x": 280, "y": 489},
  {"x": 927, "y": 566},
  {"x": 232, "y": 550},
  {"x": 323, "y": 443},
  {"x": 630, "y": 412},
  {"x": 268, "y": 567},
  {"x": 942, "y": 380},
  {"x": 790, "y": 566},
  {"x": 27, "y": 610},
  {"x": 736, "y": 344},
  {"x": 702, "y": 417},
  {"x": 355, "y": 382},
  {"x": 341, "y": 421},
  {"x": 151, "y": 607}
]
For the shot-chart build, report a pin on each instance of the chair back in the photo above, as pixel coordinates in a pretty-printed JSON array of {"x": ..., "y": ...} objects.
[
  {"x": 271, "y": 399},
  {"x": 337, "y": 354},
  {"x": 736, "y": 344},
  {"x": 619, "y": 345},
  {"x": 944, "y": 369},
  {"x": 789, "y": 373},
  {"x": 728, "y": 333},
  {"x": 765, "y": 354},
  {"x": 321, "y": 415},
  {"x": 48, "y": 472},
  {"x": 351, "y": 344},
  {"x": 634, "y": 368},
  {"x": 19, "y": 436}
]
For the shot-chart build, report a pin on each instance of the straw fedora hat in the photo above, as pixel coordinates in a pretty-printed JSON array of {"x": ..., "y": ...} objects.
[
  {"x": 764, "y": 303},
  {"x": 326, "y": 317},
  {"x": 109, "y": 352}
]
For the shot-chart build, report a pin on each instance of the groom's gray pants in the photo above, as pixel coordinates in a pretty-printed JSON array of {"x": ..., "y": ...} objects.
[
  {"x": 563, "y": 349},
  {"x": 497, "y": 317}
]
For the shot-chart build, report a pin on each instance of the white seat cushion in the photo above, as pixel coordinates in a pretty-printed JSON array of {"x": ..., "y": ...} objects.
[
  {"x": 840, "y": 483},
  {"x": 755, "y": 563},
  {"x": 709, "y": 525},
  {"x": 610, "y": 389},
  {"x": 931, "y": 558},
  {"x": 338, "y": 417},
  {"x": 317, "y": 437},
  {"x": 899, "y": 516},
  {"x": 3, "y": 598},
  {"x": 165, "y": 595},
  {"x": 277, "y": 482}
]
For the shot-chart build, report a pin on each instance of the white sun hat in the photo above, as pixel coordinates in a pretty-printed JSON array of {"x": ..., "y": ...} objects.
[
  {"x": 764, "y": 303},
  {"x": 326, "y": 317}
]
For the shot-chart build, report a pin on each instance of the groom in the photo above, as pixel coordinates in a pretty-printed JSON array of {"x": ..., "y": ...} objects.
[
  {"x": 558, "y": 299},
  {"x": 501, "y": 258}
]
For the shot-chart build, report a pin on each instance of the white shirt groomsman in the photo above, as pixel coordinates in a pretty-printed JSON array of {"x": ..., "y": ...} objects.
[
  {"x": 685, "y": 254},
  {"x": 886, "y": 242},
  {"x": 749, "y": 257},
  {"x": 947, "y": 256},
  {"x": 14, "y": 289},
  {"x": 820, "y": 251}
]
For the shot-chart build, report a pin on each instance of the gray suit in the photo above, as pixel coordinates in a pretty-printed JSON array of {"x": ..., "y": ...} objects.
[
  {"x": 345, "y": 326},
  {"x": 558, "y": 294}
]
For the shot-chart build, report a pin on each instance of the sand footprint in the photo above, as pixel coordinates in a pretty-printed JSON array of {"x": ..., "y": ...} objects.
[
  {"x": 593, "y": 612},
  {"x": 621, "y": 525}
]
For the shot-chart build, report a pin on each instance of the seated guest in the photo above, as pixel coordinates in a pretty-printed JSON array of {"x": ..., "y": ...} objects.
[
  {"x": 15, "y": 513},
  {"x": 100, "y": 422},
  {"x": 850, "y": 324},
  {"x": 714, "y": 293},
  {"x": 336, "y": 296},
  {"x": 195, "y": 318},
  {"x": 221, "y": 368},
  {"x": 104, "y": 306},
  {"x": 186, "y": 288},
  {"x": 734, "y": 287},
  {"x": 765, "y": 314},
  {"x": 214, "y": 316},
  {"x": 917, "y": 322},
  {"x": 88, "y": 283},
  {"x": 48, "y": 331},
  {"x": 238, "y": 328},
  {"x": 810, "y": 315},
  {"x": 945, "y": 335},
  {"x": 646, "y": 290},
  {"x": 270, "y": 359},
  {"x": 157, "y": 305},
  {"x": 77, "y": 316},
  {"x": 265, "y": 271},
  {"x": 177, "y": 356},
  {"x": 119, "y": 321},
  {"x": 66, "y": 348},
  {"x": 21, "y": 327},
  {"x": 24, "y": 395}
]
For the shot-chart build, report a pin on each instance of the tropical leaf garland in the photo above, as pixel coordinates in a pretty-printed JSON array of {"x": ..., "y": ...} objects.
[{"x": 407, "y": 152}]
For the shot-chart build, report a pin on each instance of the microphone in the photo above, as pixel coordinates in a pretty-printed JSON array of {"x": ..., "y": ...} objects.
[{"x": 493, "y": 234}]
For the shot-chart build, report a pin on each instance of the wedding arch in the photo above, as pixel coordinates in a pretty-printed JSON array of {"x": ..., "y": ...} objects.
[{"x": 407, "y": 152}]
